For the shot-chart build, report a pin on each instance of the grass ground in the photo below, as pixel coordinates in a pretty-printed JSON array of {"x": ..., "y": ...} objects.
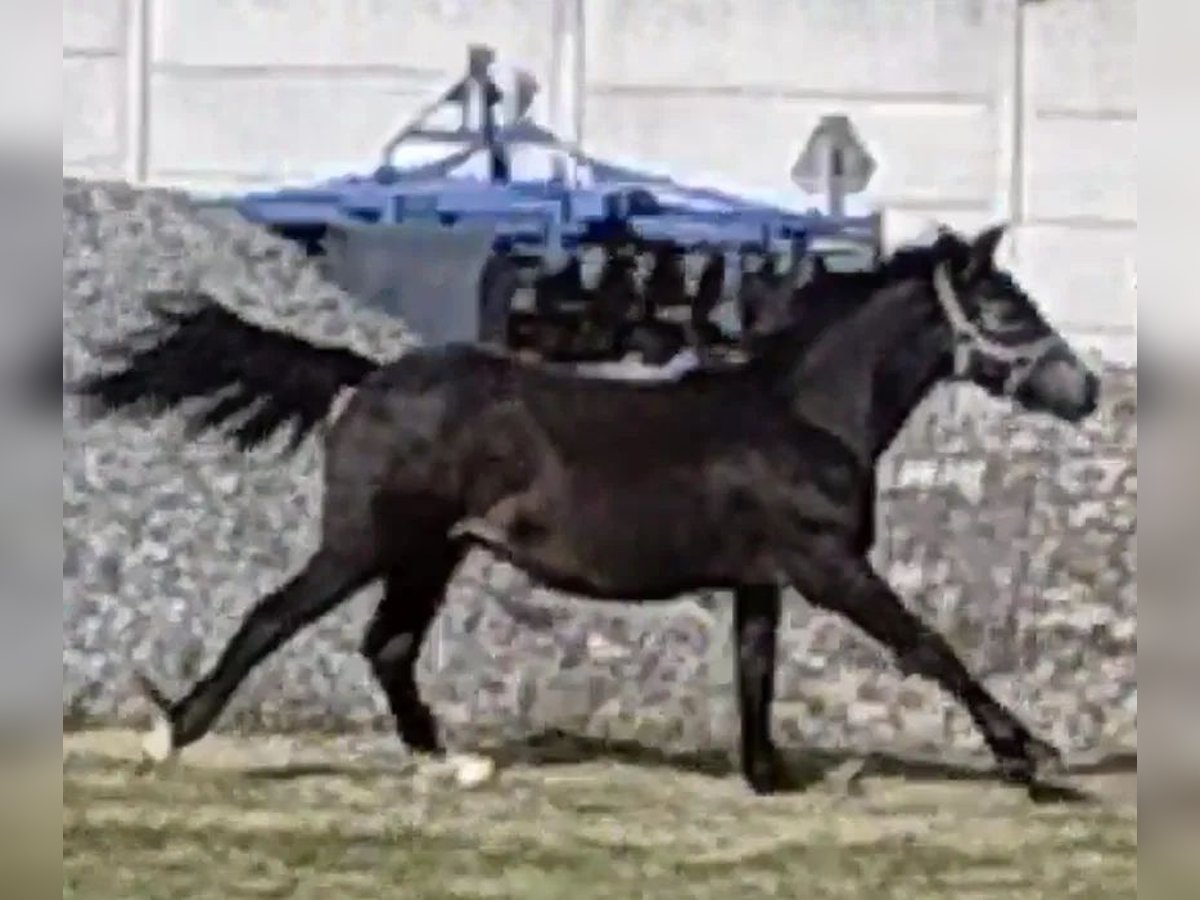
[{"x": 275, "y": 818}]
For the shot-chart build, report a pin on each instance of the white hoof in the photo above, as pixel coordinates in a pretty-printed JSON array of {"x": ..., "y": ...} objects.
[
  {"x": 470, "y": 770},
  {"x": 158, "y": 746}
]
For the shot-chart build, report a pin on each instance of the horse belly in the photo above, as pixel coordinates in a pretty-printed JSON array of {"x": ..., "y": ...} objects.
[{"x": 632, "y": 542}]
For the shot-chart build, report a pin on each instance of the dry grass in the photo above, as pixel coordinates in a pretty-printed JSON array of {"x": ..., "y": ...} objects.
[{"x": 274, "y": 819}]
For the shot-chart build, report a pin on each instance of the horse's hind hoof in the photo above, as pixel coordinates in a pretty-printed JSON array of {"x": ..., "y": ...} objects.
[
  {"x": 472, "y": 770},
  {"x": 158, "y": 744}
]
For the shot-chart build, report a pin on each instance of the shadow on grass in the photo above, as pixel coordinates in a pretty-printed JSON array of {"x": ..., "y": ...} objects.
[{"x": 803, "y": 769}]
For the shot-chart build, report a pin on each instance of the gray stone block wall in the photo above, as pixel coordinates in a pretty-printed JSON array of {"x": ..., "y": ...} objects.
[{"x": 1015, "y": 534}]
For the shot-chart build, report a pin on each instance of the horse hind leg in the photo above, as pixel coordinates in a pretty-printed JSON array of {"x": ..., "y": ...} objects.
[
  {"x": 756, "y": 623},
  {"x": 326, "y": 580},
  {"x": 414, "y": 591},
  {"x": 413, "y": 595}
]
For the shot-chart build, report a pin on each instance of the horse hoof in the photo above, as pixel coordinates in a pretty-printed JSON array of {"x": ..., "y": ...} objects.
[
  {"x": 1046, "y": 758},
  {"x": 158, "y": 744},
  {"x": 765, "y": 781},
  {"x": 1038, "y": 760},
  {"x": 764, "y": 787},
  {"x": 471, "y": 770}
]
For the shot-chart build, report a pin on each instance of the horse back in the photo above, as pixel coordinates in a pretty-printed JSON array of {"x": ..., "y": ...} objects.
[{"x": 474, "y": 426}]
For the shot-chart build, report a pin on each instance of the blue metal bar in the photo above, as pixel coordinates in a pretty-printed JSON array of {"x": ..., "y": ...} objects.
[{"x": 546, "y": 215}]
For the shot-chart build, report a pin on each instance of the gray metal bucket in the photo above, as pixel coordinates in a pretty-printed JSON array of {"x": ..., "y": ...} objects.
[{"x": 425, "y": 274}]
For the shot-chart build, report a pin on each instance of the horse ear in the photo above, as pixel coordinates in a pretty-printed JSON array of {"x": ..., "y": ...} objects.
[{"x": 983, "y": 248}]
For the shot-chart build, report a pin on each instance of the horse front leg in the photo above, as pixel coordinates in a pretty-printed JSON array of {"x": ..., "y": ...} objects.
[
  {"x": 865, "y": 538},
  {"x": 832, "y": 578},
  {"x": 756, "y": 624}
]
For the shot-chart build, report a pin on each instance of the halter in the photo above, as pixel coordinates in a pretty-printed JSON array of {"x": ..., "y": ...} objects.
[{"x": 969, "y": 339}]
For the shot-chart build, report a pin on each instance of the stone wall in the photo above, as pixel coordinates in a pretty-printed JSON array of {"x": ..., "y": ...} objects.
[{"x": 1014, "y": 534}]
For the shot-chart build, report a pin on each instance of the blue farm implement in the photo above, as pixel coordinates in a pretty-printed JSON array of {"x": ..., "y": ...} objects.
[{"x": 522, "y": 262}]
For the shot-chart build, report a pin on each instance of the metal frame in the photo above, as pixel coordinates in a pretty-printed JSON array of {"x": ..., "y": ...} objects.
[{"x": 540, "y": 224}]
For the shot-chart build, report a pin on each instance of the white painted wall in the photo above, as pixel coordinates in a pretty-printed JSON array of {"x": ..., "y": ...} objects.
[{"x": 976, "y": 109}]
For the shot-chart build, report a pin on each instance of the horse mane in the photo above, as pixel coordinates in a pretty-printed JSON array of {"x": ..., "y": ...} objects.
[
  {"x": 911, "y": 261},
  {"x": 816, "y": 303}
]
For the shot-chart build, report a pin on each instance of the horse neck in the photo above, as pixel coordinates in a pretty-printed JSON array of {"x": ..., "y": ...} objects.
[
  {"x": 864, "y": 375},
  {"x": 907, "y": 375}
]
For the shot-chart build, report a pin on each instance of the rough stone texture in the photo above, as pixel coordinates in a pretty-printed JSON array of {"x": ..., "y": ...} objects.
[{"x": 1014, "y": 534}]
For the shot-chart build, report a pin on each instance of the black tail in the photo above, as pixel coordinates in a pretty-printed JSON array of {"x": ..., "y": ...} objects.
[{"x": 199, "y": 350}]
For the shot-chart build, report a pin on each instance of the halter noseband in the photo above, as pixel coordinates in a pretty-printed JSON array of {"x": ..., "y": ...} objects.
[{"x": 969, "y": 339}]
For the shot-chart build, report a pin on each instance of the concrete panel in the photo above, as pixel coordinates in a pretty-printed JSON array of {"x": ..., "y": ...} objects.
[
  {"x": 93, "y": 24},
  {"x": 418, "y": 34},
  {"x": 93, "y": 99},
  {"x": 1082, "y": 167},
  {"x": 928, "y": 154},
  {"x": 825, "y": 46},
  {"x": 98, "y": 170},
  {"x": 271, "y": 126},
  {"x": 1083, "y": 278},
  {"x": 1082, "y": 54}
]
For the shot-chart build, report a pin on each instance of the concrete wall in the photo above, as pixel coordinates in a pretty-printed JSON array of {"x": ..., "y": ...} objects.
[
  {"x": 217, "y": 93},
  {"x": 976, "y": 109},
  {"x": 1076, "y": 172}
]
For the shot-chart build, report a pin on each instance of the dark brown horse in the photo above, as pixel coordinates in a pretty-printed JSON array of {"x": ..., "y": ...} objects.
[{"x": 746, "y": 477}]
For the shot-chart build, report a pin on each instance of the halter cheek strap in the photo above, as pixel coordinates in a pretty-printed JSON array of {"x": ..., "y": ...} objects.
[{"x": 969, "y": 339}]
